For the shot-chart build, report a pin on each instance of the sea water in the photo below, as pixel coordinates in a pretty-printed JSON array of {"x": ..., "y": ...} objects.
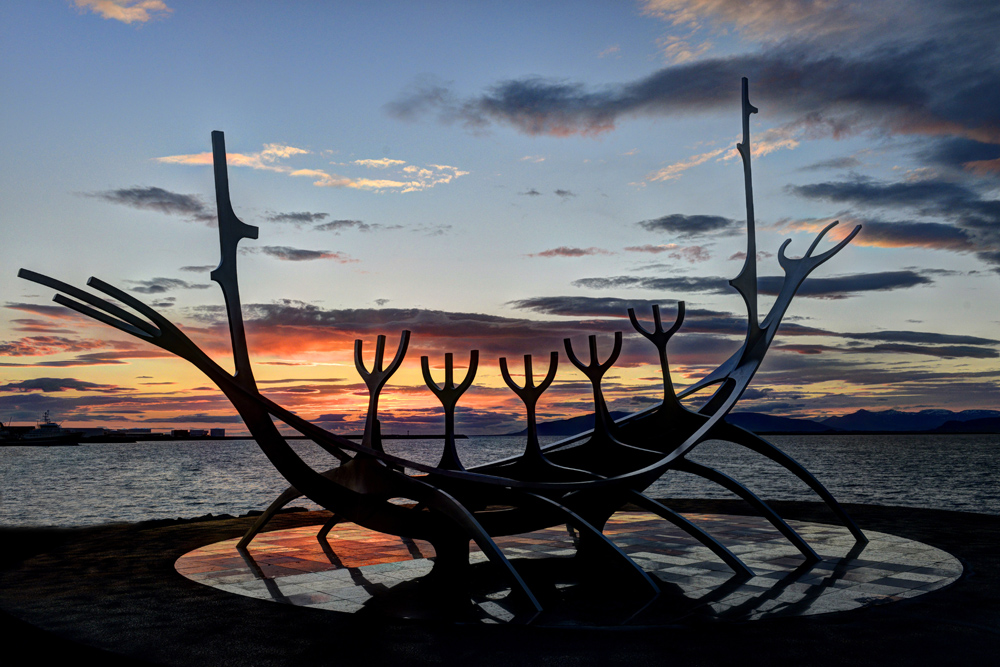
[{"x": 103, "y": 483}]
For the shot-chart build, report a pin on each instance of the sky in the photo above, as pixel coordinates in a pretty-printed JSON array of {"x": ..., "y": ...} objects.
[{"x": 499, "y": 176}]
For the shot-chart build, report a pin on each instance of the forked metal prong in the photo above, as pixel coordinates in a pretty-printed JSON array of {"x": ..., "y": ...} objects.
[
  {"x": 86, "y": 297},
  {"x": 101, "y": 317},
  {"x": 127, "y": 299}
]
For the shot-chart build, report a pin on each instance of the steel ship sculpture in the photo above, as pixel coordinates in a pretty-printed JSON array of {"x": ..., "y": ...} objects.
[{"x": 579, "y": 481}]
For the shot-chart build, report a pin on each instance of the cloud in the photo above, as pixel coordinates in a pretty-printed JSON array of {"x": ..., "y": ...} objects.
[
  {"x": 922, "y": 194},
  {"x": 921, "y": 337},
  {"x": 766, "y": 142},
  {"x": 298, "y": 254},
  {"x": 676, "y": 50},
  {"x": 60, "y": 312},
  {"x": 533, "y": 158},
  {"x": 290, "y": 329},
  {"x": 161, "y": 285},
  {"x": 761, "y": 19},
  {"x": 413, "y": 179},
  {"x": 432, "y": 230},
  {"x": 833, "y": 163},
  {"x": 343, "y": 225},
  {"x": 268, "y": 158},
  {"x": 126, "y": 11},
  {"x": 565, "y": 251},
  {"x": 976, "y": 219},
  {"x": 204, "y": 268},
  {"x": 590, "y": 307},
  {"x": 897, "y": 234},
  {"x": 939, "y": 351},
  {"x": 31, "y": 346},
  {"x": 564, "y": 193},
  {"x": 837, "y": 287},
  {"x": 532, "y": 192},
  {"x": 691, "y": 254},
  {"x": 610, "y": 51},
  {"x": 891, "y": 85},
  {"x": 380, "y": 163},
  {"x": 49, "y": 385},
  {"x": 965, "y": 154},
  {"x": 741, "y": 255},
  {"x": 158, "y": 199},
  {"x": 110, "y": 358},
  {"x": 674, "y": 170},
  {"x": 690, "y": 226},
  {"x": 298, "y": 218}
]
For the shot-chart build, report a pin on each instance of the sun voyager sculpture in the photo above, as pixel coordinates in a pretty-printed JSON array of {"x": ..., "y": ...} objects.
[{"x": 579, "y": 481}]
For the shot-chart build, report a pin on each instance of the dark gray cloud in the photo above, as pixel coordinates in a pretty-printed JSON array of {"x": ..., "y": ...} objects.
[
  {"x": 290, "y": 254},
  {"x": 940, "y": 351},
  {"x": 908, "y": 88},
  {"x": 298, "y": 218},
  {"x": 918, "y": 234},
  {"x": 842, "y": 287},
  {"x": 204, "y": 268},
  {"x": 690, "y": 226},
  {"x": 837, "y": 287},
  {"x": 564, "y": 193},
  {"x": 158, "y": 199},
  {"x": 566, "y": 251},
  {"x": 111, "y": 358},
  {"x": 834, "y": 163},
  {"x": 924, "y": 195},
  {"x": 39, "y": 309},
  {"x": 683, "y": 284},
  {"x": 343, "y": 225},
  {"x": 49, "y": 385},
  {"x": 964, "y": 154},
  {"x": 531, "y": 192},
  {"x": 161, "y": 285},
  {"x": 921, "y": 337},
  {"x": 710, "y": 321},
  {"x": 975, "y": 220},
  {"x": 583, "y": 306}
]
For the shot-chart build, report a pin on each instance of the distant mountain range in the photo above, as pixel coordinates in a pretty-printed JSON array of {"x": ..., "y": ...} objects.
[{"x": 862, "y": 421}]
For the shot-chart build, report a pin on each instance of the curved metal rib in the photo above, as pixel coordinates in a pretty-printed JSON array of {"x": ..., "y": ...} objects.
[
  {"x": 746, "y": 494},
  {"x": 718, "y": 548},
  {"x": 628, "y": 565},
  {"x": 287, "y": 496},
  {"x": 464, "y": 519},
  {"x": 754, "y": 442}
]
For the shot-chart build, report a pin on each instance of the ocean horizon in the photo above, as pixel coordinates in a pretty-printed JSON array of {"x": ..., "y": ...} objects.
[{"x": 95, "y": 484}]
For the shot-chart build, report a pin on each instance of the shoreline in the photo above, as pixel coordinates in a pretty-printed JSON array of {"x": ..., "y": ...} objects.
[{"x": 155, "y": 439}]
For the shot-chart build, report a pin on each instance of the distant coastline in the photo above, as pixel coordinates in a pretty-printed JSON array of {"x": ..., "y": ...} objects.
[{"x": 862, "y": 422}]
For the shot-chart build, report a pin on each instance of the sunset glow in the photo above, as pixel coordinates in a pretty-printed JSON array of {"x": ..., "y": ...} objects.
[{"x": 499, "y": 178}]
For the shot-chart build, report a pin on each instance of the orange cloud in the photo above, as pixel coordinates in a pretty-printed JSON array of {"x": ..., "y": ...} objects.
[
  {"x": 126, "y": 11},
  {"x": 264, "y": 159}
]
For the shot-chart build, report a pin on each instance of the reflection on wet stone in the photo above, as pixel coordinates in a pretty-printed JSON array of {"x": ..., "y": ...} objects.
[{"x": 358, "y": 571}]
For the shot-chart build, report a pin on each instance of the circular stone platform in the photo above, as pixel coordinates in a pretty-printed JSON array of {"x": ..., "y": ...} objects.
[{"x": 358, "y": 571}]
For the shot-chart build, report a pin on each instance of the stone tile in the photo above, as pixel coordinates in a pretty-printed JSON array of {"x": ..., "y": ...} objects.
[{"x": 300, "y": 572}]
